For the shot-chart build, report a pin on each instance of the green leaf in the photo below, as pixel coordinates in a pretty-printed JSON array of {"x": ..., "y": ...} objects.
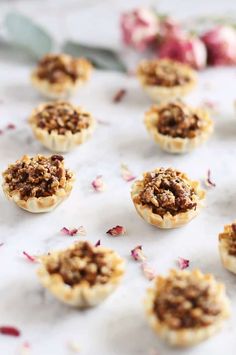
[
  {"x": 102, "y": 58},
  {"x": 25, "y": 33}
]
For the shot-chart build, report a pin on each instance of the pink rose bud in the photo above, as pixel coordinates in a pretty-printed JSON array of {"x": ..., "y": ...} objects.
[
  {"x": 188, "y": 50},
  {"x": 221, "y": 45},
  {"x": 139, "y": 28},
  {"x": 170, "y": 28}
]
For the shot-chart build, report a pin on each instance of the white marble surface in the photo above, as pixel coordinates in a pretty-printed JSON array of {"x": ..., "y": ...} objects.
[{"x": 118, "y": 326}]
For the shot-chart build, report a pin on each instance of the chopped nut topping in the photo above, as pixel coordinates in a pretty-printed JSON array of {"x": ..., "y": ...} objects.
[
  {"x": 177, "y": 120},
  {"x": 83, "y": 263},
  {"x": 164, "y": 72},
  {"x": 230, "y": 238},
  {"x": 62, "y": 117},
  {"x": 37, "y": 176},
  {"x": 184, "y": 301},
  {"x": 57, "y": 68},
  {"x": 165, "y": 190}
]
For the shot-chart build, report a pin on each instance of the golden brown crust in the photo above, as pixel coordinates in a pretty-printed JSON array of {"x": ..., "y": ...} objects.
[
  {"x": 228, "y": 258},
  {"x": 177, "y": 144},
  {"x": 83, "y": 294},
  {"x": 63, "y": 88},
  {"x": 182, "y": 337},
  {"x": 161, "y": 93},
  {"x": 32, "y": 203},
  {"x": 61, "y": 142},
  {"x": 168, "y": 220}
]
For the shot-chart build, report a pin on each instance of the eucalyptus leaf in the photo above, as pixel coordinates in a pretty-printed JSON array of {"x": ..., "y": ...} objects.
[
  {"x": 23, "y": 32},
  {"x": 102, "y": 58}
]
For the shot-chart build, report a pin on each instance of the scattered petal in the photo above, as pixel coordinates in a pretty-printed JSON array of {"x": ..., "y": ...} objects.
[
  {"x": 98, "y": 243},
  {"x": 1, "y": 244},
  {"x": 209, "y": 182},
  {"x": 126, "y": 174},
  {"x": 116, "y": 231},
  {"x": 74, "y": 346},
  {"x": 183, "y": 263},
  {"x": 75, "y": 231},
  {"x": 8, "y": 330},
  {"x": 1, "y": 132},
  {"x": 137, "y": 253},
  {"x": 98, "y": 184},
  {"x": 103, "y": 122},
  {"x": 119, "y": 95},
  {"x": 29, "y": 257},
  {"x": 25, "y": 348},
  {"x": 148, "y": 271},
  {"x": 11, "y": 126}
]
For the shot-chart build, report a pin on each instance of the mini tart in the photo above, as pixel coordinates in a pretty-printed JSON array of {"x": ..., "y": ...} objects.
[
  {"x": 61, "y": 126},
  {"x": 177, "y": 128},
  {"x": 165, "y": 80},
  {"x": 38, "y": 184},
  {"x": 227, "y": 247},
  {"x": 186, "y": 307},
  {"x": 82, "y": 275},
  {"x": 57, "y": 76},
  {"x": 167, "y": 198}
]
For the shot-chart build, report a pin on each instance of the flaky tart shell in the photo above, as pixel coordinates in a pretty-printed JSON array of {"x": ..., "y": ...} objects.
[
  {"x": 162, "y": 94},
  {"x": 82, "y": 295},
  {"x": 64, "y": 89},
  {"x": 178, "y": 145},
  {"x": 60, "y": 143},
  {"x": 186, "y": 337},
  {"x": 168, "y": 221},
  {"x": 228, "y": 261}
]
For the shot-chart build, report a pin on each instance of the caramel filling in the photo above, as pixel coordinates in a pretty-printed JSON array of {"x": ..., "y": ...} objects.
[
  {"x": 164, "y": 190},
  {"x": 62, "y": 117},
  {"x": 37, "y": 177},
  {"x": 185, "y": 302},
  {"x": 83, "y": 263}
]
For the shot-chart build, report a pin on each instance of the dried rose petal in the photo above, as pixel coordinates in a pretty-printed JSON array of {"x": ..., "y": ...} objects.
[
  {"x": 29, "y": 257},
  {"x": 148, "y": 271},
  {"x": 116, "y": 231},
  {"x": 11, "y": 126},
  {"x": 8, "y": 330},
  {"x": 183, "y": 263},
  {"x": 137, "y": 253},
  {"x": 1, "y": 244},
  {"x": 126, "y": 174},
  {"x": 1, "y": 132},
  {"x": 75, "y": 231},
  {"x": 98, "y": 243},
  {"x": 118, "y": 97},
  {"x": 209, "y": 182},
  {"x": 98, "y": 184}
]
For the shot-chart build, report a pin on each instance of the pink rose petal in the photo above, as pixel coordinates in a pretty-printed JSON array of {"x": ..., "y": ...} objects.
[
  {"x": 98, "y": 243},
  {"x": 126, "y": 174},
  {"x": 137, "y": 253},
  {"x": 183, "y": 263},
  {"x": 208, "y": 181},
  {"x": 29, "y": 257},
  {"x": 11, "y": 126},
  {"x": 98, "y": 184},
  {"x": 75, "y": 231},
  {"x": 148, "y": 271},
  {"x": 116, "y": 231},
  {"x": 118, "y": 97}
]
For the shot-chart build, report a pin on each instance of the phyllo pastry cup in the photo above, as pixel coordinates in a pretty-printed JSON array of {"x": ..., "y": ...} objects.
[
  {"x": 61, "y": 126},
  {"x": 58, "y": 76},
  {"x": 166, "y": 80},
  {"x": 167, "y": 198},
  {"x": 82, "y": 275},
  {"x": 227, "y": 247},
  {"x": 186, "y": 307},
  {"x": 38, "y": 184},
  {"x": 177, "y": 127}
]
